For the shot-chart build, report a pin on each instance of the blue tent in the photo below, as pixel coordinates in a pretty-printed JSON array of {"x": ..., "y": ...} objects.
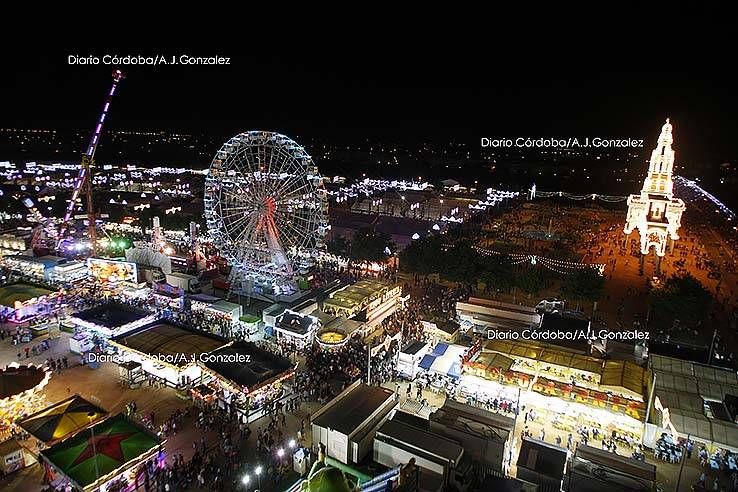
[
  {"x": 427, "y": 362},
  {"x": 440, "y": 349}
]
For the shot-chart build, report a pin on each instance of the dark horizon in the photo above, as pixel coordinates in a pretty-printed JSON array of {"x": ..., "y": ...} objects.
[{"x": 396, "y": 99}]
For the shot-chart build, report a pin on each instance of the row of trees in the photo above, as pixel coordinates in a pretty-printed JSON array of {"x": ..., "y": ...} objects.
[
  {"x": 461, "y": 263},
  {"x": 366, "y": 245}
]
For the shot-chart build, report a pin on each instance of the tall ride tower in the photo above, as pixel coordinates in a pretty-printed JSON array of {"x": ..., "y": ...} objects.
[{"x": 655, "y": 212}]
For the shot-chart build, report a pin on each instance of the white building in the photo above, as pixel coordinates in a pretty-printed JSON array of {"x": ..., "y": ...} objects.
[{"x": 346, "y": 426}]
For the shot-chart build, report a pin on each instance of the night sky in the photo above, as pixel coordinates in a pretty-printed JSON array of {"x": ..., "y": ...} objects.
[{"x": 400, "y": 96}]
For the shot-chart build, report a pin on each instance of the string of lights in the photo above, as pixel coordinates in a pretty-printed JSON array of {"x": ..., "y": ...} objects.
[
  {"x": 721, "y": 207},
  {"x": 559, "y": 266}
]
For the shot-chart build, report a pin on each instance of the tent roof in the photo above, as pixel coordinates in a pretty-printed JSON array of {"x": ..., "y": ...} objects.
[
  {"x": 494, "y": 361},
  {"x": 681, "y": 401},
  {"x": 529, "y": 350},
  {"x": 62, "y": 419},
  {"x": 118, "y": 441},
  {"x": 622, "y": 374},
  {"x": 16, "y": 380},
  {"x": 676, "y": 382}
]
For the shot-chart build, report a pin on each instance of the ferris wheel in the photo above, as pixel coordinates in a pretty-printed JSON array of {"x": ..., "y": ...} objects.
[{"x": 265, "y": 207}]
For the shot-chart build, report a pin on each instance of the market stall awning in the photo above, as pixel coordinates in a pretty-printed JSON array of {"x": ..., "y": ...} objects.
[
  {"x": 118, "y": 444},
  {"x": 532, "y": 351},
  {"x": 526, "y": 350},
  {"x": 62, "y": 419}
]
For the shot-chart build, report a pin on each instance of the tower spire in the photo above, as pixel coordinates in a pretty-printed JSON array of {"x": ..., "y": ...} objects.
[{"x": 661, "y": 165}]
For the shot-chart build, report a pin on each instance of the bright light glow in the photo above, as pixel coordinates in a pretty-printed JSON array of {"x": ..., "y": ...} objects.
[
  {"x": 655, "y": 212},
  {"x": 246, "y": 479},
  {"x": 258, "y": 470},
  {"x": 280, "y": 452},
  {"x": 292, "y": 443}
]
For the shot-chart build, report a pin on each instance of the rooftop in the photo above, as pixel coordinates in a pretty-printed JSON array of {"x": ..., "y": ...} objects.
[
  {"x": 349, "y": 412},
  {"x": 21, "y": 292},
  {"x": 118, "y": 442},
  {"x": 262, "y": 366},
  {"x": 413, "y": 347},
  {"x": 542, "y": 457},
  {"x": 163, "y": 338},
  {"x": 416, "y": 438},
  {"x": 112, "y": 314}
]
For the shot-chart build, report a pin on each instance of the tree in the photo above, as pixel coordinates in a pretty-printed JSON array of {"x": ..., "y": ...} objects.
[
  {"x": 423, "y": 256},
  {"x": 530, "y": 280},
  {"x": 460, "y": 263},
  {"x": 497, "y": 272},
  {"x": 585, "y": 284},
  {"x": 339, "y": 246},
  {"x": 683, "y": 298},
  {"x": 369, "y": 245}
]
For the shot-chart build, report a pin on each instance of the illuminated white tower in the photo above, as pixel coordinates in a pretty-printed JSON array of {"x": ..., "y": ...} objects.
[{"x": 655, "y": 212}]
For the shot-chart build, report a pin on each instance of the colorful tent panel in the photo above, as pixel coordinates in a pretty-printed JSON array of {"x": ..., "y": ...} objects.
[
  {"x": 426, "y": 362},
  {"x": 440, "y": 349},
  {"x": 62, "y": 419},
  {"x": 117, "y": 442}
]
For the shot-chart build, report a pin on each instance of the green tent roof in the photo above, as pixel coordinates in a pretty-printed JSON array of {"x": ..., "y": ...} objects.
[{"x": 118, "y": 441}]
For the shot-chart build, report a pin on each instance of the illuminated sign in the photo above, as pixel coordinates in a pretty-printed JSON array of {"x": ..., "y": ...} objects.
[{"x": 112, "y": 271}]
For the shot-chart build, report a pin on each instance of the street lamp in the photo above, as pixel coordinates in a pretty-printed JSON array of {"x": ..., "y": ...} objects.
[
  {"x": 280, "y": 452},
  {"x": 258, "y": 474},
  {"x": 90, "y": 416},
  {"x": 246, "y": 479},
  {"x": 292, "y": 443}
]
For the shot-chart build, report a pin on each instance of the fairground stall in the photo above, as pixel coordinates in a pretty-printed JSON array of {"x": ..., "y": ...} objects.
[
  {"x": 168, "y": 352},
  {"x": 37, "y": 269},
  {"x": 242, "y": 377},
  {"x": 58, "y": 422},
  {"x": 69, "y": 272},
  {"x": 112, "y": 271},
  {"x": 20, "y": 393},
  {"x": 106, "y": 456},
  {"x": 408, "y": 360},
  {"x": 112, "y": 319},
  {"x": 23, "y": 301},
  {"x": 216, "y": 307},
  {"x": 295, "y": 329},
  {"x": 168, "y": 296},
  {"x": 366, "y": 299},
  {"x": 444, "y": 361},
  {"x": 570, "y": 390},
  {"x": 337, "y": 332}
]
